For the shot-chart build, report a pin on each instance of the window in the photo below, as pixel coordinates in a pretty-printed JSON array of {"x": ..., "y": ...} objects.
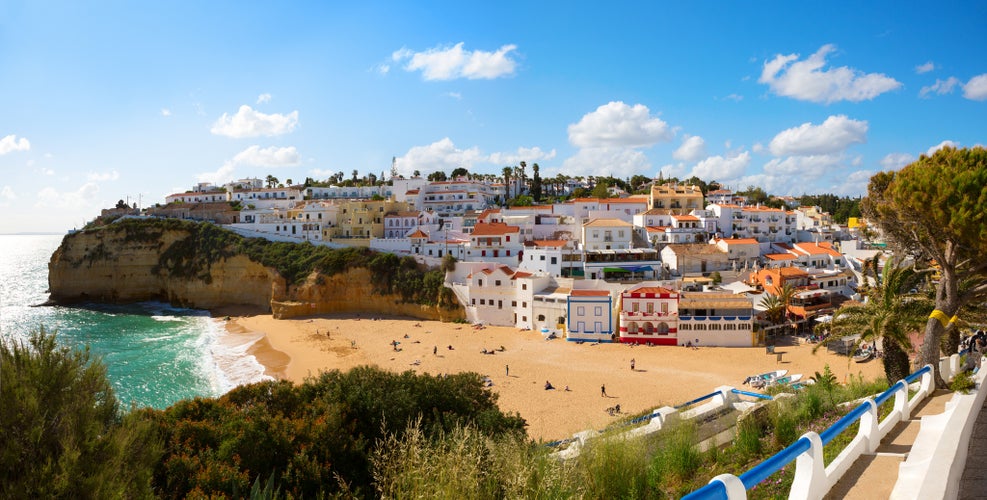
[
  {"x": 480, "y": 282},
  {"x": 543, "y": 258},
  {"x": 513, "y": 303},
  {"x": 554, "y": 260},
  {"x": 473, "y": 302},
  {"x": 581, "y": 310},
  {"x": 483, "y": 302},
  {"x": 524, "y": 318},
  {"x": 541, "y": 317},
  {"x": 524, "y": 304},
  {"x": 598, "y": 311},
  {"x": 524, "y": 286},
  {"x": 497, "y": 283}
]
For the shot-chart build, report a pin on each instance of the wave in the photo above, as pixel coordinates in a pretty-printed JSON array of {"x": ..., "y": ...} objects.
[{"x": 228, "y": 362}]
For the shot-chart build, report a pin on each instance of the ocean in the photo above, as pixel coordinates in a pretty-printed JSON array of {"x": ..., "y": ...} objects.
[{"x": 155, "y": 354}]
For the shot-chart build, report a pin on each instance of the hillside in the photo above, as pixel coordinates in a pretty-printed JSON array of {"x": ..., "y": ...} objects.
[{"x": 203, "y": 266}]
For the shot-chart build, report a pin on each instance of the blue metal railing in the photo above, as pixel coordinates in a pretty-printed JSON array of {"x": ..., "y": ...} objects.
[
  {"x": 751, "y": 394},
  {"x": 765, "y": 469},
  {"x": 697, "y": 400}
]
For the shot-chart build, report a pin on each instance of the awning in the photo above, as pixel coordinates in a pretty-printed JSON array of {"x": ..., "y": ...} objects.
[{"x": 615, "y": 270}]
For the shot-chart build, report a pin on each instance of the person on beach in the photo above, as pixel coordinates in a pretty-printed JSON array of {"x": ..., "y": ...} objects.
[
  {"x": 548, "y": 386},
  {"x": 603, "y": 391},
  {"x": 632, "y": 364},
  {"x": 435, "y": 350},
  {"x": 507, "y": 370}
]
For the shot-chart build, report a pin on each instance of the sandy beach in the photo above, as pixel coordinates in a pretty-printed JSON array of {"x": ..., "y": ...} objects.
[{"x": 522, "y": 361}]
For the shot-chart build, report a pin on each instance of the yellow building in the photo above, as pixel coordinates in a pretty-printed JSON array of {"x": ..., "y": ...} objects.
[
  {"x": 680, "y": 199},
  {"x": 362, "y": 219}
]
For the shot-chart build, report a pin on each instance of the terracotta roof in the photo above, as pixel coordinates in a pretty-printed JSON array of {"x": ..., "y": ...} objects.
[
  {"x": 418, "y": 234},
  {"x": 686, "y": 218},
  {"x": 504, "y": 269},
  {"x": 739, "y": 241},
  {"x": 657, "y": 229},
  {"x": 657, "y": 211},
  {"x": 816, "y": 249},
  {"x": 786, "y": 271},
  {"x": 694, "y": 248},
  {"x": 520, "y": 274},
  {"x": 590, "y": 293},
  {"x": 651, "y": 289},
  {"x": 550, "y": 243},
  {"x": 605, "y": 222},
  {"x": 624, "y": 200},
  {"x": 779, "y": 256},
  {"x": 493, "y": 229}
]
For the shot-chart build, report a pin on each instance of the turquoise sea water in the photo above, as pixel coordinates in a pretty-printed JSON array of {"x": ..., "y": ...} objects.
[{"x": 155, "y": 354}]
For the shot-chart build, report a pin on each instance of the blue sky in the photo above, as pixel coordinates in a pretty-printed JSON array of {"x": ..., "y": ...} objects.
[{"x": 104, "y": 101}]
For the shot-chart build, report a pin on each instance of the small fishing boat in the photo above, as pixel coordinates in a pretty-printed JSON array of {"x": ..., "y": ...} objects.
[
  {"x": 863, "y": 354},
  {"x": 791, "y": 379},
  {"x": 759, "y": 381}
]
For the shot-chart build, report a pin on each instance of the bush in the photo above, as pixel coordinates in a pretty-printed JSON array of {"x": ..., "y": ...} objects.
[
  {"x": 62, "y": 433},
  {"x": 962, "y": 382},
  {"x": 315, "y": 439}
]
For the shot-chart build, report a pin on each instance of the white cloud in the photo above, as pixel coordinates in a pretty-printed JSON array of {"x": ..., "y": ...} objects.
[
  {"x": 620, "y": 162},
  {"x": 976, "y": 88},
  {"x": 11, "y": 143},
  {"x": 249, "y": 123},
  {"x": 853, "y": 184},
  {"x": 805, "y": 167},
  {"x": 455, "y": 95},
  {"x": 940, "y": 87},
  {"x": 931, "y": 151},
  {"x": 165, "y": 112},
  {"x": 102, "y": 177},
  {"x": 263, "y": 98},
  {"x": 925, "y": 68},
  {"x": 808, "y": 81},
  {"x": 82, "y": 198},
  {"x": 47, "y": 171},
  {"x": 256, "y": 156},
  {"x": 693, "y": 148},
  {"x": 720, "y": 167},
  {"x": 833, "y": 135},
  {"x": 7, "y": 196},
  {"x": 382, "y": 69},
  {"x": 734, "y": 98},
  {"x": 440, "y": 155},
  {"x": 529, "y": 155},
  {"x": 616, "y": 124},
  {"x": 448, "y": 63},
  {"x": 895, "y": 161},
  {"x": 318, "y": 173}
]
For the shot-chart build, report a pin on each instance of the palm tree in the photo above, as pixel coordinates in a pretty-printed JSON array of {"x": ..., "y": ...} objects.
[
  {"x": 891, "y": 310},
  {"x": 507, "y": 181}
]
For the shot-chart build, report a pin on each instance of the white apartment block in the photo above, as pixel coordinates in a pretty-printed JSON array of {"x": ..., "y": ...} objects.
[
  {"x": 350, "y": 193},
  {"x": 495, "y": 242}
]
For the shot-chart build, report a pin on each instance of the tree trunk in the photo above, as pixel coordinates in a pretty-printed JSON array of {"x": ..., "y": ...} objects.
[
  {"x": 896, "y": 364},
  {"x": 930, "y": 350}
]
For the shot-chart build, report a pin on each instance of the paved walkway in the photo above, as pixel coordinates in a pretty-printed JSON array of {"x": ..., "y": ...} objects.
[
  {"x": 973, "y": 484},
  {"x": 873, "y": 475}
]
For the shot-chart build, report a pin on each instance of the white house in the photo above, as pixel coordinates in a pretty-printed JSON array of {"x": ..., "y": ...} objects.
[
  {"x": 495, "y": 242},
  {"x": 590, "y": 316}
]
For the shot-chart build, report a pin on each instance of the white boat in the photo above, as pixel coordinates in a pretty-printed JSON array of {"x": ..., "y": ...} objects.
[
  {"x": 863, "y": 354},
  {"x": 791, "y": 379},
  {"x": 759, "y": 381}
]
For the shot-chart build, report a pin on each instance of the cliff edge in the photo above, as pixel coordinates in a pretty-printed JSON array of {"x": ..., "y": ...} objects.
[{"x": 202, "y": 266}]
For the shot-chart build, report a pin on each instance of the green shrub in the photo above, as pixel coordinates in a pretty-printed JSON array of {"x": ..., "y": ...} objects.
[{"x": 962, "y": 382}]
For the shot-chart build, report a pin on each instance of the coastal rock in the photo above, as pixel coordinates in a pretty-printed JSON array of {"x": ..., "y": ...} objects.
[{"x": 127, "y": 264}]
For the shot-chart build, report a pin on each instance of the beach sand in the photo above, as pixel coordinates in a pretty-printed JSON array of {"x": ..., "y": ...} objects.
[{"x": 297, "y": 348}]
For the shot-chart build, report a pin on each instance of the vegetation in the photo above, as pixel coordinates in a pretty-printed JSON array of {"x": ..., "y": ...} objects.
[
  {"x": 206, "y": 244},
  {"x": 61, "y": 429},
  {"x": 365, "y": 433},
  {"x": 933, "y": 210},
  {"x": 315, "y": 439},
  {"x": 841, "y": 208},
  {"x": 892, "y": 310}
]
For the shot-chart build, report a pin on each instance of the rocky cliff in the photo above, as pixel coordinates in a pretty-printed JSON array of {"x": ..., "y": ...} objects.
[{"x": 136, "y": 262}]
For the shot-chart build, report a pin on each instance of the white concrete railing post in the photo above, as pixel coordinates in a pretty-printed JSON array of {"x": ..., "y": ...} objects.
[
  {"x": 734, "y": 486},
  {"x": 869, "y": 427},
  {"x": 810, "y": 481},
  {"x": 901, "y": 407}
]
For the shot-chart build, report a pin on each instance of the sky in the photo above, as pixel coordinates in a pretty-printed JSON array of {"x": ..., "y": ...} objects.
[{"x": 102, "y": 101}]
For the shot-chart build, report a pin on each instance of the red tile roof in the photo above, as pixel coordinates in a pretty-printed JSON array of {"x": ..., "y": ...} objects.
[
  {"x": 493, "y": 229},
  {"x": 589, "y": 293}
]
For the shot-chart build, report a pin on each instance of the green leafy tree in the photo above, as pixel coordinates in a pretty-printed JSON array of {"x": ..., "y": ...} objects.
[
  {"x": 934, "y": 210},
  {"x": 61, "y": 430},
  {"x": 459, "y": 172},
  {"x": 890, "y": 312},
  {"x": 601, "y": 190},
  {"x": 437, "y": 176}
]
